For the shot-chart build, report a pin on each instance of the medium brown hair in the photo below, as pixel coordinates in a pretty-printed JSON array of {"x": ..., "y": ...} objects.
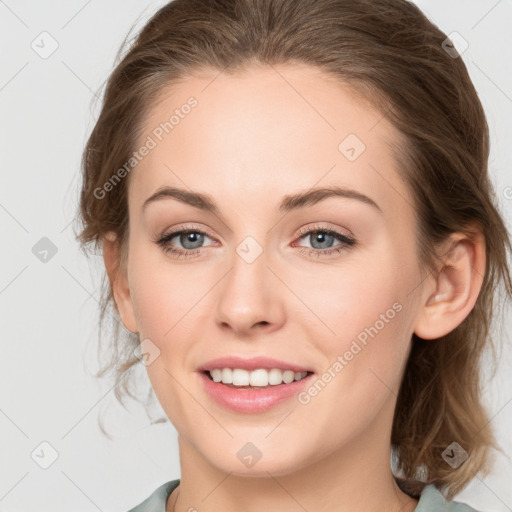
[{"x": 391, "y": 55}]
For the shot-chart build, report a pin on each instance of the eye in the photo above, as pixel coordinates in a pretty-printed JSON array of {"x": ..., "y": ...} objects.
[
  {"x": 322, "y": 239},
  {"x": 190, "y": 239}
]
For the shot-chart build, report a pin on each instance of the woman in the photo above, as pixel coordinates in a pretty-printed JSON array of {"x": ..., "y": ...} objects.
[{"x": 297, "y": 225}]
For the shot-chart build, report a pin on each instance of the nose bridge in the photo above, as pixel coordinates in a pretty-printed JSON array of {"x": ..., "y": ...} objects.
[{"x": 248, "y": 295}]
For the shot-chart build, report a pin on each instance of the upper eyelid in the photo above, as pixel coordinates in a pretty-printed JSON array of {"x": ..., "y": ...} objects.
[
  {"x": 300, "y": 233},
  {"x": 186, "y": 228},
  {"x": 312, "y": 229}
]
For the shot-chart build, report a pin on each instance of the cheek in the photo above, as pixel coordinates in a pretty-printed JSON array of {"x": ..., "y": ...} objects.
[
  {"x": 162, "y": 293},
  {"x": 150, "y": 297},
  {"x": 348, "y": 299},
  {"x": 365, "y": 320}
]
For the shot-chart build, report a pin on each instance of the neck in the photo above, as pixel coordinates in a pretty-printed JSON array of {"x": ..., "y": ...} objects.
[{"x": 356, "y": 476}]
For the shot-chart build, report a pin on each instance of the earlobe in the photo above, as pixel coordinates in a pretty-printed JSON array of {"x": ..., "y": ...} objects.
[
  {"x": 119, "y": 282},
  {"x": 455, "y": 288}
]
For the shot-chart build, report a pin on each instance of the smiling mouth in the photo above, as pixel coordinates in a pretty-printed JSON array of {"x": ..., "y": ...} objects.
[{"x": 256, "y": 379}]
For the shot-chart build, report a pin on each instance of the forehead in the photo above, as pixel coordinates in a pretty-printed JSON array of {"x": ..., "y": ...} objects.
[{"x": 268, "y": 131}]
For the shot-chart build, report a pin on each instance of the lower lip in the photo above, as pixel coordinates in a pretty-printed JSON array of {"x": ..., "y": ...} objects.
[{"x": 252, "y": 400}]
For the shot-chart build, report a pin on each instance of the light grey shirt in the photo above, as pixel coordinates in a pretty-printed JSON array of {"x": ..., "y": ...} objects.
[{"x": 430, "y": 500}]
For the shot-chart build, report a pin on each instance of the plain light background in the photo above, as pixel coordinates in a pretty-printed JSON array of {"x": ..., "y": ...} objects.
[{"x": 49, "y": 310}]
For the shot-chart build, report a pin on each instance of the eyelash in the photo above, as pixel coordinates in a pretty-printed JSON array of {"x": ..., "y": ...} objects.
[{"x": 346, "y": 242}]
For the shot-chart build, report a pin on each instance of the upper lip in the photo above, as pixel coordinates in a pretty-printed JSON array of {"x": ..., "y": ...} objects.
[{"x": 253, "y": 363}]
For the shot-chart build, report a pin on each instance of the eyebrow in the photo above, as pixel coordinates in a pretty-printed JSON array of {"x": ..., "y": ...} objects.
[{"x": 289, "y": 203}]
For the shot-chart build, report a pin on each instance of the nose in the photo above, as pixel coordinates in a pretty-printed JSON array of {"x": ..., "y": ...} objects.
[{"x": 250, "y": 298}]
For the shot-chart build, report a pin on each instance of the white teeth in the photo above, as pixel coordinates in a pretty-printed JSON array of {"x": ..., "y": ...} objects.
[
  {"x": 227, "y": 376},
  {"x": 256, "y": 378},
  {"x": 216, "y": 375},
  {"x": 240, "y": 377},
  {"x": 275, "y": 377},
  {"x": 288, "y": 376}
]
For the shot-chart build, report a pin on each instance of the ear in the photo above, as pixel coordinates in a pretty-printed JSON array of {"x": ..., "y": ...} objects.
[
  {"x": 451, "y": 295},
  {"x": 119, "y": 282}
]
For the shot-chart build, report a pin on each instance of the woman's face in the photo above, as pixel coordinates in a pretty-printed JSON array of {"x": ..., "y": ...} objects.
[{"x": 264, "y": 276}]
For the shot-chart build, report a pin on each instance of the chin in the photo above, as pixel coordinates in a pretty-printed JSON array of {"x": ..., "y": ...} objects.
[{"x": 249, "y": 461}]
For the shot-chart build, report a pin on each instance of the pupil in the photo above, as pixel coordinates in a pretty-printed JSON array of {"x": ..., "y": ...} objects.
[
  {"x": 322, "y": 238},
  {"x": 191, "y": 238}
]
